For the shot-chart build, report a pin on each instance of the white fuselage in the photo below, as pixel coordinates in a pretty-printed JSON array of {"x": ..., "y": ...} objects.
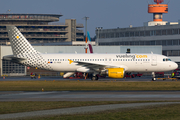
[{"x": 131, "y": 62}]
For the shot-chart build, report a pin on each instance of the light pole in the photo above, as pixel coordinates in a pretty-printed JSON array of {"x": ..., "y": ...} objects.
[{"x": 97, "y": 39}]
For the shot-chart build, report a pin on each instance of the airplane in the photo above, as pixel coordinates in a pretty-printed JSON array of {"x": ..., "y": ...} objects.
[{"x": 113, "y": 65}]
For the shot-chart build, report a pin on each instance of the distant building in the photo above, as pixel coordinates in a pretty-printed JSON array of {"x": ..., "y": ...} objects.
[
  {"x": 41, "y": 28},
  {"x": 166, "y": 35}
]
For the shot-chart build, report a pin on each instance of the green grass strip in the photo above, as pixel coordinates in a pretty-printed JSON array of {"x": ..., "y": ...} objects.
[{"x": 86, "y": 85}]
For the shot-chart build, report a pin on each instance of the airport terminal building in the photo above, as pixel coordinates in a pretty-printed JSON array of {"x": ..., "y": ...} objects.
[
  {"x": 166, "y": 35},
  {"x": 41, "y": 28}
]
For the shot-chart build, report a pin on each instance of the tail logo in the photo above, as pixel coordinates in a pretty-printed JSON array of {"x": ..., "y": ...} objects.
[{"x": 17, "y": 37}]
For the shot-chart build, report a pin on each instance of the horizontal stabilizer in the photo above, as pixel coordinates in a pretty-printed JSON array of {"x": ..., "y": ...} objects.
[{"x": 14, "y": 59}]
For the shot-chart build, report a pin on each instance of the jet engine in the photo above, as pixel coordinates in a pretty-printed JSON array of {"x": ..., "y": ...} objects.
[{"x": 115, "y": 72}]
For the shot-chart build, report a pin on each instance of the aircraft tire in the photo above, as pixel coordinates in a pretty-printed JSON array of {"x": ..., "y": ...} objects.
[
  {"x": 153, "y": 79},
  {"x": 93, "y": 78},
  {"x": 97, "y": 78}
]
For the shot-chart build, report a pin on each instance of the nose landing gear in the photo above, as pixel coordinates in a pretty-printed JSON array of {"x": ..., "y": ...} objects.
[{"x": 153, "y": 76}]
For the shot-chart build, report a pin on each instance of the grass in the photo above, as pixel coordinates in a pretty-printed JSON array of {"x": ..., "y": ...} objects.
[
  {"x": 85, "y": 85},
  {"x": 16, "y": 107},
  {"x": 163, "y": 112}
]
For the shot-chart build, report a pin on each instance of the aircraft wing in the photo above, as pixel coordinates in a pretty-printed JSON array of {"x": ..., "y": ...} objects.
[{"x": 95, "y": 66}]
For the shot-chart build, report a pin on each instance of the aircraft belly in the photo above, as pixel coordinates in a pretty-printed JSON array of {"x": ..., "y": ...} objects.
[{"x": 64, "y": 67}]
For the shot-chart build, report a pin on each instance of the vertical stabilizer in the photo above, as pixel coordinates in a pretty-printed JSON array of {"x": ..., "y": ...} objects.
[
  {"x": 23, "y": 49},
  {"x": 19, "y": 43}
]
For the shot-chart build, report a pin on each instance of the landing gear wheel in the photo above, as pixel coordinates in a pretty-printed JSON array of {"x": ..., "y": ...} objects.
[
  {"x": 153, "y": 79},
  {"x": 93, "y": 78},
  {"x": 97, "y": 77}
]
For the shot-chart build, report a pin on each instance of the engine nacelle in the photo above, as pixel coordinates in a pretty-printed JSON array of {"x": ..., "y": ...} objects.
[{"x": 115, "y": 72}]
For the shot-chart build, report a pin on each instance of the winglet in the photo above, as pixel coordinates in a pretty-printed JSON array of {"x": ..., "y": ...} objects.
[{"x": 70, "y": 61}]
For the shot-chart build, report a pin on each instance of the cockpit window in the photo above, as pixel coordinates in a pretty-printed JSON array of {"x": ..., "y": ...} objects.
[{"x": 166, "y": 59}]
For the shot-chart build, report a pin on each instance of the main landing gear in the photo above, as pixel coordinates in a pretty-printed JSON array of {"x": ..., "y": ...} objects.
[{"x": 94, "y": 77}]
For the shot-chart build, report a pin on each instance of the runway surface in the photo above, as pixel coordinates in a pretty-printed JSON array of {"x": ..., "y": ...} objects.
[
  {"x": 90, "y": 96},
  {"x": 27, "y": 78}
]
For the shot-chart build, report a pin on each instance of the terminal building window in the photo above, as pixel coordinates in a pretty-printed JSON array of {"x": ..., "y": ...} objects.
[
  {"x": 141, "y": 33},
  {"x": 147, "y": 33},
  {"x": 163, "y": 32},
  {"x": 159, "y": 42},
  {"x": 136, "y": 43},
  {"x": 175, "y": 31},
  {"x": 164, "y": 43},
  {"x": 12, "y": 68},
  {"x": 141, "y": 42},
  {"x": 131, "y": 43},
  {"x": 175, "y": 42},
  {"x": 112, "y": 35},
  {"x": 169, "y": 32},
  {"x": 169, "y": 42},
  {"x": 117, "y": 35},
  {"x": 171, "y": 52},
  {"x": 137, "y": 33},
  {"x": 158, "y": 32},
  {"x": 131, "y": 34},
  {"x": 121, "y": 34},
  {"x": 126, "y": 34}
]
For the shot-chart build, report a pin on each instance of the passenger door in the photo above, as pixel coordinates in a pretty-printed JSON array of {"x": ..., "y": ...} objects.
[{"x": 154, "y": 60}]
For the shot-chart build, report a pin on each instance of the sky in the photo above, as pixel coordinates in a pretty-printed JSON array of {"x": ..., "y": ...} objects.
[{"x": 102, "y": 13}]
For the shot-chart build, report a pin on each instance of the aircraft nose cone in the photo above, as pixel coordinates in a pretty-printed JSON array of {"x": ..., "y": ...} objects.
[{"x": 175, "y": 66}]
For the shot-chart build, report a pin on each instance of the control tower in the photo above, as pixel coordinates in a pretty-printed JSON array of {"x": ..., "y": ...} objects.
[{"x": 157, "y": 9}]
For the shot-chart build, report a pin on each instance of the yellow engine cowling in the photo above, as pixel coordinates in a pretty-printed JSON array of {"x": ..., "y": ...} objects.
[{"x": 115, "y": 72}]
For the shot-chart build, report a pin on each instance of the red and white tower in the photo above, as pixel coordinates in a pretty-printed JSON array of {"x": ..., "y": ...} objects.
[{"x": 158, "y": 9}]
